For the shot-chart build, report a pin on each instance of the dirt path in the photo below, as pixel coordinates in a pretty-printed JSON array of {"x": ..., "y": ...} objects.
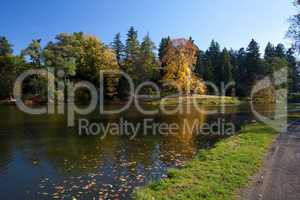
[{"x": 280, "y": 177}]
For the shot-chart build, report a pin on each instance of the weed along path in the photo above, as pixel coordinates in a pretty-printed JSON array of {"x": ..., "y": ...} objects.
[{"x": 279, "y": 179}]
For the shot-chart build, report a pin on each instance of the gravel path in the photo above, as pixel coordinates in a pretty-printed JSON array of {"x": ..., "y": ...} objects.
[{"x": 280, "y": 177}]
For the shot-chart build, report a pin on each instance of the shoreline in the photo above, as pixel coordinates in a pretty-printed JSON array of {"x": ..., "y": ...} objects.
[
  {"x": 219, "y": 172},
  {"x": 184, "y": 100}
]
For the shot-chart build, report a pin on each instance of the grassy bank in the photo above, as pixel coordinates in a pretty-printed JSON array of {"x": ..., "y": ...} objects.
[
  {"x": 217, "y": 173},
  {"x": 199, "y": 99}
]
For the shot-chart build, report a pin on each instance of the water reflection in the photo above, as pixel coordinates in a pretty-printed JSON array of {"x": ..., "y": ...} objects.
[{"x": 43, "y": 159}]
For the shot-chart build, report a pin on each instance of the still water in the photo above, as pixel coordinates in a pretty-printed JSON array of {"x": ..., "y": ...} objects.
[{"x": 40, "y": 158}]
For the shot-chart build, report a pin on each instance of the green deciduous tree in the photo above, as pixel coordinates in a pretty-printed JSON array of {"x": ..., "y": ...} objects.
[
  {"x": 294, "y": 77},
  {"x": 5, "y": 47},
  {"x": 82, "y": 57},
  {"x": 294, "y": 29},
  {"x": 10, "y": 67},
  {"x": 34, "y": 51}
]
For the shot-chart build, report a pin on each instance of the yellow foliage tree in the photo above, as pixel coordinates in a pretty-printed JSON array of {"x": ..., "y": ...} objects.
[{"x": 180, "y": 59}]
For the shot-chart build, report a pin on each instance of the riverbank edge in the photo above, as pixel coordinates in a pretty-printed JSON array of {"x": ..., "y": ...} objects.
[
  {"x": 216, "y": 173},
  {"x": 198, "y": 99}
]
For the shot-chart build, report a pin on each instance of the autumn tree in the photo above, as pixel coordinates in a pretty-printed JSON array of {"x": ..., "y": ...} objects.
[{"x": 180, "y": 59}]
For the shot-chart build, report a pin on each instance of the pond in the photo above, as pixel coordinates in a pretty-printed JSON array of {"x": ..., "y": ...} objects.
[{"x": 41, "y": 158}]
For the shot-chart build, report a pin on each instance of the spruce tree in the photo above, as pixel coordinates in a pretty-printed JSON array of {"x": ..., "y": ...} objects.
[
  {"x": 163, "y": 47},
  {"x": 234, "y": 62},
  {"x": 253, "y": 62},
  {"x": 241, "y": 73},
  {"x": 208, "y": 68},
  {"x": 132, "y": 52},
  {"x": 226, "y": 67},
  {"x": 200, "y": 65},
  {"x": 148, "y": 65},
  {"x": 214, "y": 54},
  {"x": 132, "y": 48},
  {"x": 118, "y": 47}
]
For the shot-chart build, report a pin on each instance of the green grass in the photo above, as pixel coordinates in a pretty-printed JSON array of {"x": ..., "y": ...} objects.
[
  {"x": 217, "y": 173},
  {"x": 199, "y": 99}
]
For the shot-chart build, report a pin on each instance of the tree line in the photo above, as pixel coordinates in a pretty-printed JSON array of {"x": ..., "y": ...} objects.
[
  {"x": 179, "y": 61},
  {"x": 247, "y": 65}
]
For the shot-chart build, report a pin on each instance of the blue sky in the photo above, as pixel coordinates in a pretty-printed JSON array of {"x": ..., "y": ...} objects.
[{"x": 231, "y": 22}]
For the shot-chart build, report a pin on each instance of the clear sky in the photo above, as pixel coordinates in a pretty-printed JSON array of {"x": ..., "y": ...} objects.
[{"x": 231, "y": 22}]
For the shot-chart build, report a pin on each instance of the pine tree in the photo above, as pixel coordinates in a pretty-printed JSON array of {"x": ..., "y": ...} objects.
[
  {"x": 226, "y": 67},
  {"x": 253, "y": 62},
  {"x": 241, "y": 78},
  {"x": 214, "y": 54},
  {"x": 208, "y": 69},
  {"x": 200, "y": 65},
  {"x": 118, "y": 47},
  {"x": 163, "y": 47},
  {"x": 269, "y": 51},
  {"x": 148, "y": 65},
  {"x": 208, "y": 74},
  {"x": 280, "y": 51},
  {"x": 234, "y": 62},
  {"x": 132, "y": 52}
]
